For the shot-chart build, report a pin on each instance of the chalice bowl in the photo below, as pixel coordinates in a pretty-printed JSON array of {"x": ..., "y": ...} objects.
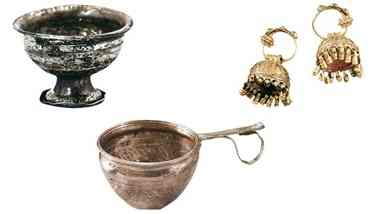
[{"x": 73, "y": 42}]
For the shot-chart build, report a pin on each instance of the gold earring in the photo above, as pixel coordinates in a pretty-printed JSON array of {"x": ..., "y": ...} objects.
[
  {"x": 268, "y": 82},
  {"x": 337, "y": 55}
]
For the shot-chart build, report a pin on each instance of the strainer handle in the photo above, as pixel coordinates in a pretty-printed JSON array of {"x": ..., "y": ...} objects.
[{"x": 248, "y": 130}]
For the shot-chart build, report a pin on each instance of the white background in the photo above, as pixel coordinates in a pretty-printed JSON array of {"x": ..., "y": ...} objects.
[{"x": 185, "y": 61}]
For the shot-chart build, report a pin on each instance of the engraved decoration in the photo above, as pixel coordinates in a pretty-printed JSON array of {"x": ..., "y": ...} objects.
[
  {"x": 73, "y": 42},
  {"x": 149, "y": 163}
]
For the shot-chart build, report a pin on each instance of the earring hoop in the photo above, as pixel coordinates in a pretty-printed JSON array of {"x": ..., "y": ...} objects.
[{"x": 267, "y": 41}]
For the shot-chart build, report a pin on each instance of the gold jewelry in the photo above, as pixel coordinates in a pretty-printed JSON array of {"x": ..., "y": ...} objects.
[
  {"x": 337, "y": 55},
  {"x": 268, "y": 82}
]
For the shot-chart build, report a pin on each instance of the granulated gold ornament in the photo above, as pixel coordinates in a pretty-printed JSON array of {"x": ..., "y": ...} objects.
[
  {"x": 268, "y": 82},
  {"x": 338, "y": 57}
]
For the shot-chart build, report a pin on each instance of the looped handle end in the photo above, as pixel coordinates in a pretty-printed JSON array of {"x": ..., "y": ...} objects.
[
  {"x": 251, "y": 129},
  {"x": 253, "y": 160},
  {"x": 248, "y": 130}
]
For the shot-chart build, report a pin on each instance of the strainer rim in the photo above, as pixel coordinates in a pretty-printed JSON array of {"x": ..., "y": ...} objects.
[{"x": 180, "y": 129}]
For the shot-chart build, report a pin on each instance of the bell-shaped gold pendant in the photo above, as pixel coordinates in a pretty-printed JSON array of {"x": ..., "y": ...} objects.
[
  {"x": 337, "y": 57},
  {"x": 268, "y": 82}
]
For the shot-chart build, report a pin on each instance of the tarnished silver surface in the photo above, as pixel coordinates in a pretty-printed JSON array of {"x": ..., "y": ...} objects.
[
  {"x": 149, "y": 163},
  {"x": 73, "y": 42}
]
